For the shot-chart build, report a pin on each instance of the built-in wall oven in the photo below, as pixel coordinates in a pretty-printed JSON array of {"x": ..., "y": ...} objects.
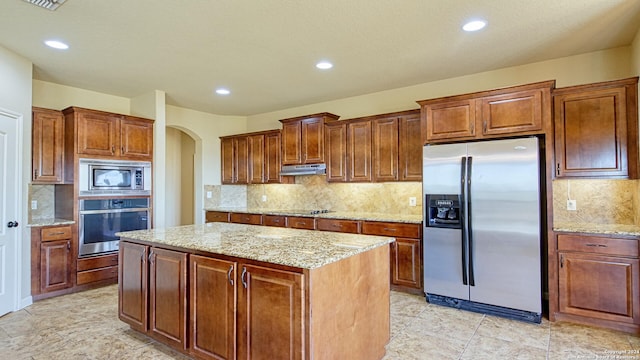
[{"x": 101, "y": 219}]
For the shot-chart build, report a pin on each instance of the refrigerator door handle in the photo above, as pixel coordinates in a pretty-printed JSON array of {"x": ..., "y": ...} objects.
[
  {"x": 472, "y": 281},
  {"x": 463, "y": 185}
]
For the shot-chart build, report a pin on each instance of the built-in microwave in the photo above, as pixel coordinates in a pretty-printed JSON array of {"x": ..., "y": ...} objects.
[{"x": 114, "y": 177}]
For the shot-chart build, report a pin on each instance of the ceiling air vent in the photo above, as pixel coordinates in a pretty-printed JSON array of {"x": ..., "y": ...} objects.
[{"x": 47, "y": 4}]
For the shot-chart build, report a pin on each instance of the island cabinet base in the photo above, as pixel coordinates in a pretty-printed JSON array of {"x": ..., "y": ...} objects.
[{"x": 244, "y": 309}]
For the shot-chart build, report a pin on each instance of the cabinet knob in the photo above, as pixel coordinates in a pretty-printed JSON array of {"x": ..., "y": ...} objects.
[{"x": 12, "y": 224}]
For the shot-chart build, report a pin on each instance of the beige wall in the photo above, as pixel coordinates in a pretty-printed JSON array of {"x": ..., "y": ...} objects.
[
  {"x": 15, "y": 97},
  {"x": 179, "y": 193},
  {"x": 581, "y": 69},
  {"x": 55, "y": 96}
]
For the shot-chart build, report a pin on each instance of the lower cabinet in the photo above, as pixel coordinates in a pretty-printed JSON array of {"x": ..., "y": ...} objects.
[
  {"x": 257, "y": 313},
  {"x": 51, "y": 265},
  {"x": 599, "y": 281},
  {"x": 101, "y": 268}
]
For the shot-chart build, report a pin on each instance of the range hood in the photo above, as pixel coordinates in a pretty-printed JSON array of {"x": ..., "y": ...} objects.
[{"x": 310, "y": 169}]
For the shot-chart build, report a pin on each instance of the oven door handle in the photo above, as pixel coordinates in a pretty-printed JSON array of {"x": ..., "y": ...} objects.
[{"x": 111, "y": 211}]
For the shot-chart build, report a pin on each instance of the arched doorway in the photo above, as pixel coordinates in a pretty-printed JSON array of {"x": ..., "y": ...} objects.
[{"x": 180, "y": 169}]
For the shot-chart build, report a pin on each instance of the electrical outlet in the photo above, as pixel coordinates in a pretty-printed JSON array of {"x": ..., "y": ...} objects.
[
  {"x": 264, "y": 198},
  {"x": 571, "y": 205},
  {"x": 412, "y": 201},
  {"x": 34, "y": 204},
  {"x": 209, "y": 194}
]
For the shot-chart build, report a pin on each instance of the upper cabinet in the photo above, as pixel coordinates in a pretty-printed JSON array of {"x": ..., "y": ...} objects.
[
  {"x": 303, "y": 139},
  {"x": 517, "y": 110},
  {"x": 103, "y": 134},
  {"x": 252, "y": 158},
  {"x": 376, "y": 148},
  {"x": 596, "y": 130},
  {"x": 47, "y": 146}
]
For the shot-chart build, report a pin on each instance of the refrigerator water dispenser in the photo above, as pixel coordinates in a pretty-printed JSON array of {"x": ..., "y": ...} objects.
[{"x": 443, "y": 211}]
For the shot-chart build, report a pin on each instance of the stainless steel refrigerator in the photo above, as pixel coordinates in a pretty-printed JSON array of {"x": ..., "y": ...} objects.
[{"x": 482, "y": 232}]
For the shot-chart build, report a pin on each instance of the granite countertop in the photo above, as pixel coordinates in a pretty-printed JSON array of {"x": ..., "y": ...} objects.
[
  {"x": 614, "y": 229},
  {"x": 306, "y": 249},
  {"x": 347, "y": 215},
  {"x": 50, "y": 222}
]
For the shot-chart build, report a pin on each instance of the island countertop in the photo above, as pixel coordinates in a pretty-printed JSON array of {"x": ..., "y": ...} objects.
[
  {"x": 347, "y": 215},
  {"x": 305, "y": 249}
]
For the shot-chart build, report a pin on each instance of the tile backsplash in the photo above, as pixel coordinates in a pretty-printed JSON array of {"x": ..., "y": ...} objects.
[
  {"x": 313, "y": 192},
  {"x": 597, "y": 201}
]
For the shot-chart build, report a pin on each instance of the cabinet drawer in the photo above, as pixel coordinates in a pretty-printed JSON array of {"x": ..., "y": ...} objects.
[
  {"x": 85, "y": 277},
  {"x": 97, "y": 262},
  {"x": 391, "y": 229},
  {"x": 274, "y": 220},
  {"x": 299, "y": 222},
  {"x": 217, "y": 216},
  {"x": 598, "y": 245},
  {"x": 241, "y": 218},
  {"x": 346, "y": 226},
  {"x": 56, "y": 233}
]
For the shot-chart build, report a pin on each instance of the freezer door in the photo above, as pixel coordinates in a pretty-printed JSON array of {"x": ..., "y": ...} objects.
[
  {"x": 505, "y": 229},
  {"x": 443, "y": 248}
]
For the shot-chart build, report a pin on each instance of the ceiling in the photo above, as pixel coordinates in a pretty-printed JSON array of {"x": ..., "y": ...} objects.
[{"x": 265, "y": 51}]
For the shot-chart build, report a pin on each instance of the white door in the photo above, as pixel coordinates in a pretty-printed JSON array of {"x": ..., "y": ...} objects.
[{"x": 9, "y": 211}]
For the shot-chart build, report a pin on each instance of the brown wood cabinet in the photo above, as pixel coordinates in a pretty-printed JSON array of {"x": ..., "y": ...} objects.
[
  {"x": 406, "y": 253},
  {"x": 47, "y": 146},
  {"x": 598, "y": 280},
  {"x": 269, "y": 301},
  {"x": 212, "y": 304},
  {"x": 301, "y": 222},
  {"x": 168, "y": 297},
  {"x": 274, "y": 220},
  {"x": 409, "y": 147},
  {"x": 514, "y": 110},
  {"x": 52, "y": 270},
  {"x": 108, "y": 135},
  {"x": 348, "y": 149},
  {"x": 303, "y": 138},
  {"x": 97, "y": 268},
  {"x": 596, "y": 130},
  {"x": 345, "y": 226},
  {"x": 217, "y": 216},
  {"x": 133, "y": 285},
  {"x": 243, "y": 218},
  {"x": 385, "y": 149},
  {"x": 252, "y": 158},
  {"x": 335, "y": 144}
]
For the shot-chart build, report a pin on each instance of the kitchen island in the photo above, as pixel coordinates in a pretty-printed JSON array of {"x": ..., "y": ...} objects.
[{"x": 226, "y": 291}]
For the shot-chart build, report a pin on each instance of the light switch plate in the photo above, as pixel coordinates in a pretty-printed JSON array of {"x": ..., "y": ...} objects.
[
  {"x": 34, "y": 204},
  {"x": 412, "y": 201},
  {"x": 209, "y": 194},
  {"x": 264, "y": 198},
  {"x": 571, "y": 205}
]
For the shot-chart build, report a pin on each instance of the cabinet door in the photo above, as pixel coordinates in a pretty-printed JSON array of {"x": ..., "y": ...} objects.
[
  {"x": 228, "y": 160},
  {"x": 410, "y": 149},
  {"x": 405, "y": 263},
  {"x": 512, "y": 113},
  {"x": 312, "y": 140},
  {"x": 97, "y": 133},
  {"x": 55, "y": 267},
  {"x": 133, "y": 283},
  {"x": 136, "y": 138},
  {"x": 168, "y": 297},
  {"x": 291, "y": 143},
  {"x": 597, "y": 286},
  {"x": 385, "y": 149},
  {"x": 272, "y": 159},
  {"x": 335, "y": 138},
  {"x": 256, "y": 159},
  {"x": 591, "y": 133},
  {"x": 270, "y": 317},
  {"x": 241, "y": 158},
  {"x": 217, "y": 216},
  {"x": 212, "y": 325},
  {"x": 450, "y": 120},
  {"x": 47, "y": 146},
  {"x": 359, "y": 151}
]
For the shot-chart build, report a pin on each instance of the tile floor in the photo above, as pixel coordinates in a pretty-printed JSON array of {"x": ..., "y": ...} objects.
[{"x": 85, "y": 326}]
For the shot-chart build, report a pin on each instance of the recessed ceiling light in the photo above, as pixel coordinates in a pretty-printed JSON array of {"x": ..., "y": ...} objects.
[
  {"x": 223, "y": 91},
  {"x": 324, "y": 65},
  {"x": 474, "y": 25},
  {"x": 56, "y": 44}
]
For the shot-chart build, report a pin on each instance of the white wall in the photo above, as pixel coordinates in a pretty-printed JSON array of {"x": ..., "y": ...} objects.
[
  {"x": 580, "y": 69},
  {"x": 15, "y": 96}
]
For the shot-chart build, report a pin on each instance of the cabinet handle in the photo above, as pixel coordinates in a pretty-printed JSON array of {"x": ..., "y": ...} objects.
[
  {"x": 243, "y": 277},
  {"x": 558, "y": 169},
  {"x": 484, "y": 127},
  {"x": 68, "y": 245},
  {"x": 596, "y": 245},
  {"x": 390, "y": 229},
  {"x": 229, "y": 275},
  {"x": 473, "y": 127},
  {"x": 561, "y": 261},
  {"x": 113, "y": 149},
  {"x": 57, "y": 233},
  {"x": 300, "y": 223},
  {"x": 35, "y": 173},
  {"x": 122, "y": 150}
]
